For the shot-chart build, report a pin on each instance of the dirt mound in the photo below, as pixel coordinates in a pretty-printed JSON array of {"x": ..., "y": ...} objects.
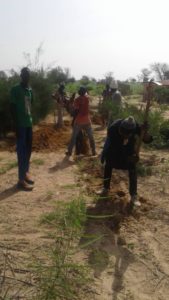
[
  {"x": 96, "y": 119},
  {"x": 47, "y": 138}
]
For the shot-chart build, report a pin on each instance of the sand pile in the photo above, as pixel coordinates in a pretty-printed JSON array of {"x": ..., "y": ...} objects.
[
  {"x": 96, "y": 119},
  {"x": 47, "y": 138}
]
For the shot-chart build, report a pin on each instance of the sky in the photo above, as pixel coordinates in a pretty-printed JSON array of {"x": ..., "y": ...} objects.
[{"x": 90, "y": 37}]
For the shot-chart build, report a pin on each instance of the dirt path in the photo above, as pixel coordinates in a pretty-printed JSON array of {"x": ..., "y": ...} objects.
[
  {"x": 136, "y": 268},
  {"x": 20, "y": 211}
]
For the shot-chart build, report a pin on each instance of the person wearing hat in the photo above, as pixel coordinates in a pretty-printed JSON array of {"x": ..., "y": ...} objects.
[
  {"x": 81, "y": 121},
  {"x": 119, "y": 153},
  {"x": 21, "y": 102}
]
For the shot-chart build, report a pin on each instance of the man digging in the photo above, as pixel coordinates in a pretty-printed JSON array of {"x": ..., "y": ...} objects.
[{"x": 119, "y": 152}]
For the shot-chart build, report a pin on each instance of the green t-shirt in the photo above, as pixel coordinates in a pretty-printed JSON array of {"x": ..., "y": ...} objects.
[{"x": 22, "y": 99}]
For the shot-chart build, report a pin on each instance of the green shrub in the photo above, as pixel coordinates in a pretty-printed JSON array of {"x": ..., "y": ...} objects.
[
  {"x": 42, "y": 98},
  {"x": 42, "y": 90},
  {"x": 5, "y": 116},
  {"x": 161, "y": 94},
  {"x": 158, "y": 127},
  {"x": 124, "y": 88},
  {"x": 136, "y": 88}
]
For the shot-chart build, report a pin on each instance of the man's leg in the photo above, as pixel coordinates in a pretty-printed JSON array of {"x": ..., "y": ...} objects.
[
  {"x": 132, "y": 181},
  {"x": 79, "y": 143},
  {"x": 28, "y": 146},
  {"x": 28, "y": 152},
  {"x": 76, "y": 130},
  {"x": 133, "y": 185},
  {"x": 107, "y": 174},
  {"x": 22, "y": 158},
  {"x": 107, "y": 178},
  {"x": 21, "y": 152},
  {"x": 89, "y": 132}
]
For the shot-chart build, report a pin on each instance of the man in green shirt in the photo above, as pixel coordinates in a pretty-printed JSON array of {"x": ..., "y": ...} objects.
[{"x": 21, "y": 101}]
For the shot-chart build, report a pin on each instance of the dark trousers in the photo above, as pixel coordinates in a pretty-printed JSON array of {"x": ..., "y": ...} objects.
[
  {"x": 76, "y": 129},
  {"x": 132, "y": 177},
  {"x": 24, "y": 149}
]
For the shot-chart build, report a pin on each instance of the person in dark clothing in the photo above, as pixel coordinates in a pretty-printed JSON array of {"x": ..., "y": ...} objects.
[
  {"x": 21, "y": 101},
  {"x": 107, "y": 93},
  {"x": 119, "y": 153}
]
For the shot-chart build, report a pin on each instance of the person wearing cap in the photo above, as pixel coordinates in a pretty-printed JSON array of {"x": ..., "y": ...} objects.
[
  {"x": 119, "y": 153},
  {"x": 21, "y": 102},
  {"x": 60, "y": 98},
  {"x": 81, "y": 121}
]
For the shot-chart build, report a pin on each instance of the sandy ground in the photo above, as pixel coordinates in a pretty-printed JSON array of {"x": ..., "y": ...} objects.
[
  {"x": 137, "y": 268},
  {"x": 21, "y": 236}
]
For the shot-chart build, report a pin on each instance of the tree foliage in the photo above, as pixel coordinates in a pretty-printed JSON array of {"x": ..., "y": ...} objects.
[
  {"x": 145, "y": 75},
  {"x": 161, "y": 70}
]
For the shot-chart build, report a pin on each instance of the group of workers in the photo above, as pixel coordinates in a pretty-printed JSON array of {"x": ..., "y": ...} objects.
[{"x": 118, "y": 151}]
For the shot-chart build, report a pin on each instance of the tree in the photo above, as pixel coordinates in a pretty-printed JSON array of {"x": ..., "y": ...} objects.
[
  {"x": 3, "y": 75},
  {"x": 85, "y": 80},
  {"x": 58, "y": 75},
  {"x": 109, "y": 77},
  {"x": 34, "y": 63},
  {"x": 161, "y": 70},
  {"x": 145, "y": 74},
  {"x": 166, "y": 74},
  {"x": 131, "y": 79}
]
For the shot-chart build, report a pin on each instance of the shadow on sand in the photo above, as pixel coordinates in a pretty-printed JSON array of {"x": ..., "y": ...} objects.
[
  {"x": 65, "y": 163},
  {"x": 9, "y": 192},
  {"x": 102, "y": 242}
]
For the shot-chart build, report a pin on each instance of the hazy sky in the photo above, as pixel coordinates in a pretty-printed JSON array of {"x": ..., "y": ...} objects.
[{"x": 91, "y": 37}]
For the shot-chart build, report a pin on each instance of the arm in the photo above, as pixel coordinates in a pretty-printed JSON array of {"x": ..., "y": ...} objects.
[
  {"x": 76, "y": 107},
  {"x": 107, "y": 144},
  {"x": 105, "y": 149},
  {"x": 143, "y": 130}
]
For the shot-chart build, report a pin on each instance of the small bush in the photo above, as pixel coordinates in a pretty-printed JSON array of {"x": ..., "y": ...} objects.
[
  {"x": 136, "y": 88},
  {"x": 7, "y": 167},
  {"x": 161, "y": 94},
  {"x": 38, "y": 162},
  {"x": 124, "y": 88},
  {"x": 42, "y": 89},
  {"x": 158, "y": 127}
]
